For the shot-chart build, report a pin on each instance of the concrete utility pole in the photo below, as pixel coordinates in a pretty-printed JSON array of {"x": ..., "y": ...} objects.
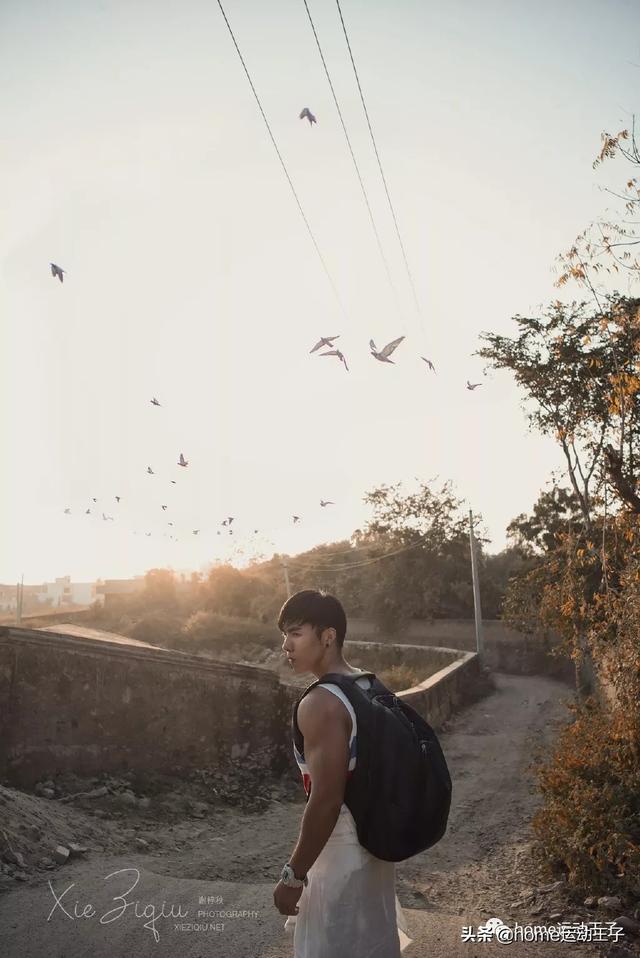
[
  {"x": 285, "y": 569},
  {"x": 19, "y": 591},
  {"x": 477, "y": 609}
]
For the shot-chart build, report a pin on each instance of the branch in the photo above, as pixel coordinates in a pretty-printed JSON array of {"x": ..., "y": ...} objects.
[{"x": 622, "y": 486}]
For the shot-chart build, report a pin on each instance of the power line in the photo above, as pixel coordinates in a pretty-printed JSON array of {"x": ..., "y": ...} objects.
[
  {"x": 373, "y": 140},
  {"x": 356, "y": 565},
  {"x": 362, "y": 186},
  {"x": 286, "y": 172}
]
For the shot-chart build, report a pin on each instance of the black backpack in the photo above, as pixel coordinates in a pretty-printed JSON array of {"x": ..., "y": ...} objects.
[{"x": 400, "y": 790}]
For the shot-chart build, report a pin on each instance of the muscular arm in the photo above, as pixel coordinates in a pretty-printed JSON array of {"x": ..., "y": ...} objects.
[{"x": 326, "y": 727}]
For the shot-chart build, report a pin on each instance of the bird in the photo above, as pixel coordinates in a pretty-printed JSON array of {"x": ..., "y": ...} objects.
[
  {"x": 94, "y": 500},
  {"x": 173, "y": 481},
  {"x": 429, "y": 363},
  {"x": 196, "y": 531},
  {"x": 296, "y": 519},
  {"x": 336, "y": 352},
  {"x": 230, "y": 532},
  {"x": 117, "y": 498},
  {"x": 147, "y": 533},
  {"x": 67, "y": 512},
  {"x": 57, "y": 271},
  {"x": 88, "y": 512},
  {"x": 218, "y": 532},
  {"x": 106, "y": 518},
  {"x": 324, "y": 341},
  {"x": 164, "y": 508},
  {"x": 150, "y": 471},
  {"x": 154, "y": 402},
  {"x": 326, "y": 502},
  {"x": 383, "y": 354},
  {"x": 169, "y": 523},
  {"x": 306, "y": 113},
  {"x": 255, "y": 532},
  {"x": 182, "y": 461},
  {"x": 473, "y": 385}
]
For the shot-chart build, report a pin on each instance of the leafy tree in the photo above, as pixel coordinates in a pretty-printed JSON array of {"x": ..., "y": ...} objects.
[
  {"x": 554, "y": 512},
  {"x": 159, "y": 589}
]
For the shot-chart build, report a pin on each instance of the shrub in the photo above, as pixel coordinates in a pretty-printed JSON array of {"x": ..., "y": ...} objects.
[{"x": 589, "y": 825}]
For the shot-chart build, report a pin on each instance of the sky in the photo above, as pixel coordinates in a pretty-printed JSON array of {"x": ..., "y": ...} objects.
[{"x": 134, "y": 155}]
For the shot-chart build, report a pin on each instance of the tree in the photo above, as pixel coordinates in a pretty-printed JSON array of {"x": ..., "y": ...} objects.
[
  {"x": 159, "y": 589},
  {"x": 581, "y": 371},
  {"x": 554, "y": 512}
]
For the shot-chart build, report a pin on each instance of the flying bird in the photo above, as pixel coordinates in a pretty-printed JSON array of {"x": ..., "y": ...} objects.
[
  {"x": 307, "y": 114},
  {"x": 57, "y": 271},
  {"x": 150, "y": 471},
  {"x": 95, "y": 500},
  {"x": 117, "y": 498},
  {"x": 88, "y": 512},
  {"x": 429, "y": 363},
  {"x": 324, "y": 341},
  {"x": 169, "y": 523},
  {"x": 164, "y": 508},
  {"x": 383, "y": 354},
  {"x": 473, "y": 385},
  {"x": 196, "y": 531},
  {"x": 326, "y": 502},
  {"x": 173, "y": 481},
  {"x": 67, "y": 512},
  {"x": 182, "y": 461},
  {"x": 154, "y": 402},
  {"x": 147, "y": 533},
  {"x": 106, "y": 518},
  {"x": 296, "y": 519},
  {"x": 255, "y": 532},
  {"x": 336, "y": 352}
]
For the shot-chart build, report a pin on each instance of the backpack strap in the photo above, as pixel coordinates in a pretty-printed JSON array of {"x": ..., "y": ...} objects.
[{"x": 329, "y": 678}]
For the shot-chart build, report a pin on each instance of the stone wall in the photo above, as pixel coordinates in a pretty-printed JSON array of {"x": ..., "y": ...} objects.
[
  {"x": 68, "y": 703},
  {"x": 505, "y": 649}
]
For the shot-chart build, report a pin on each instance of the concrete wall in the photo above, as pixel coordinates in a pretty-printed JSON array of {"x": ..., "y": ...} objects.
[
  {"x": 68, "y": 703},
  {"x": 505, "y": 649},
  {"x": 452, "y": 679}
]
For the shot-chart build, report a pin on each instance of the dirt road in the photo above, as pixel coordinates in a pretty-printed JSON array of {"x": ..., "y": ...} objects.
[{"x": 479, "y": 870}]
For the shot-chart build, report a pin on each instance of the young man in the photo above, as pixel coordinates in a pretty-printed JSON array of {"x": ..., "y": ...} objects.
[{"x": 340, "y": 899}]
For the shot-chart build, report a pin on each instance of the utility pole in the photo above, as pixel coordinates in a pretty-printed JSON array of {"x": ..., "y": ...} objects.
[
  {"x": 477, "y": 609},
  {"x": 285, "y": 569},
  {"x": 19, "y": 591}
]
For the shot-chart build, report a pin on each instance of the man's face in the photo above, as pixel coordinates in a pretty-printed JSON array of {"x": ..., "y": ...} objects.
[{"x": 303, "y": 648}]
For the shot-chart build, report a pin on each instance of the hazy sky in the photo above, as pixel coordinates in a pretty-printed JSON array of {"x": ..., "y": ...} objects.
[{"x": 134, "y": 156}]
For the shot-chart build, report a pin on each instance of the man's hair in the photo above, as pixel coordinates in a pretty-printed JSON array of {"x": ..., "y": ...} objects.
[{"x": 316, "y": 608}]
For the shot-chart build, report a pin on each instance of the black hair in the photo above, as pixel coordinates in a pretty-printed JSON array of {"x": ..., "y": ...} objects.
[{"x": 317, "y": 608}]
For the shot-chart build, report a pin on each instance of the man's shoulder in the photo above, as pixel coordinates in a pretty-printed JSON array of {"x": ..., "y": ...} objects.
[{"x": 319, "y": 704}]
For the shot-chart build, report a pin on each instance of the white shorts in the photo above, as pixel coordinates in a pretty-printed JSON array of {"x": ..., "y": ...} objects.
[{"x": 349, "y": 908}]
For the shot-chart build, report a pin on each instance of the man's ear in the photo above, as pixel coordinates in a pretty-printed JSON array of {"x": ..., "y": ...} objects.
[{"x": 329, "y": 635}]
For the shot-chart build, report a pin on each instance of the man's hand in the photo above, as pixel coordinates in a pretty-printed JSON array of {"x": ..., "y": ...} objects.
[{"x": 286, "y": 898}]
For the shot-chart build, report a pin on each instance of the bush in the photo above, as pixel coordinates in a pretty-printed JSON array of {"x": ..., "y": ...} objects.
[
  {"x": 400, "y": 677},
  {"x": 157, "y": 629},
  {"x": 589, "y": 826},
  {"x": 214, "y": 632}
]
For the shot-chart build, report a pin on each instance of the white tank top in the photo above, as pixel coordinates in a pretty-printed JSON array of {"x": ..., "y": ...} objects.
[{"x": 353, "y": 738}]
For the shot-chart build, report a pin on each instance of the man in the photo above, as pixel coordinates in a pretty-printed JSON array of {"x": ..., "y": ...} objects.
[{"x": 340, "y": 899}]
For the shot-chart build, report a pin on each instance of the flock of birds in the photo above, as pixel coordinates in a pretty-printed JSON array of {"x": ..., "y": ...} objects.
[
  {"x": 325, "y": 342},
  {"x": 164, "y": 506}
]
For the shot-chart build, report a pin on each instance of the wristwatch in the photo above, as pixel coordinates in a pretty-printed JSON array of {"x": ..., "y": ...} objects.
[{"x": 288, "y": 878}]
